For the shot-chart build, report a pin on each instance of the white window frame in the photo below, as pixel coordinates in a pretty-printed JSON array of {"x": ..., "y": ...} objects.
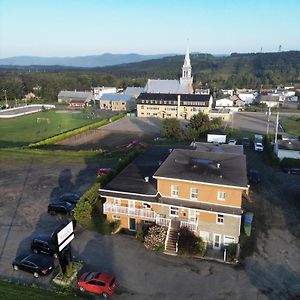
[
  {"x": 174, "y": 209},
  {"x": 221, "y": 196},
  {"x": 175, "y": 191},
  {"x": 220, "y": 219},
  {"x": 193, "y": 193}
]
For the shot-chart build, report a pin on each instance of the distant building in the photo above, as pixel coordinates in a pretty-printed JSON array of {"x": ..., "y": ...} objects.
[
  {"x": 202, "y": 91},
  {"x": 180, "y": 106},
  {"x": 134, "y": 92},
  {"x": 68, "y": 96},
  {"x": 269, "y": 100},
  {"x": 116, "y": 102},
  {"x": 100, "y": 90},
  {"x": 247, "y": 95},
  {"x": 228, "y": 92},
  {"x": 216, "y": 136},
  {"x": 77, "y": 104},
  {"x": 224, "y": 102}
]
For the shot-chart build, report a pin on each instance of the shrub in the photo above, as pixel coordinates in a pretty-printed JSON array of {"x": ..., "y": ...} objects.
[
  {"x": 290, "y": 162},
  {"x": 155, "y": 237},
  {"x": 189, "y": 243}
]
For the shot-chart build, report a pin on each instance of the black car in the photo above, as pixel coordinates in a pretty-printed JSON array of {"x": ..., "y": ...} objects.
[
  {"x": 69, "y": 197},
  {"x": 61, "y": 207},
  {"x": 38, "y": 264},
  {"x": 44, "y": 244},
  {"x": 253, "y": 176},
  {"x": 245, "y": 141},
  {"x": 292, "y": 170}
]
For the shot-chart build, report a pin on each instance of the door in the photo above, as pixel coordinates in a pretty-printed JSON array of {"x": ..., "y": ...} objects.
[
  {"x": 132, "y": 224},
  {"x": 217, "y": 241}
]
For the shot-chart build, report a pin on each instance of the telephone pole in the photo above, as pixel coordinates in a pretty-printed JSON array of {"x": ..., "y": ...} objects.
[
  {"x": 5, "y": 98},
  {"x": 268, "y": 124},
  {"x": 277, "y": 121}
]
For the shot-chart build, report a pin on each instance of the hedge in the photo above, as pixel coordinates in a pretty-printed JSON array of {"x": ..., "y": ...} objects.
[{"x": 62, "y": 136}]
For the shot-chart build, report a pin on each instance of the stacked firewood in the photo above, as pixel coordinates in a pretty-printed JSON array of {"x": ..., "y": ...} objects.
[{"x": 155, "y": 237}]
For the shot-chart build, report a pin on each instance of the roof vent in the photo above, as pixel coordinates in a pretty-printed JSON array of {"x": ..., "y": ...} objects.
[
  {"x": 218, "y": 165},
  {"x": 146, "y": 179}
]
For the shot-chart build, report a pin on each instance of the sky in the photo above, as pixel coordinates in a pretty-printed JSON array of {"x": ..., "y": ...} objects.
[{"x": 92, "y": 27}]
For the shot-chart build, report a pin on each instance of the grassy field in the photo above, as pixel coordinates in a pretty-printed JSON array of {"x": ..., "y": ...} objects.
[
  {"x": 24, "y": 130},
  {"x": 291, "y": 125},
  {"x": 12, "y": 291}
]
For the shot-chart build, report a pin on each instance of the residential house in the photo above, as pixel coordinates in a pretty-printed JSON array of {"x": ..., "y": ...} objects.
[
  {"x": 200, "y": 190},
  {"x": 228, "y": 92},
  {"x": 134, "y": 92},
  {"x": 247, "y": 95},
  {"x": 202, "y": 91},
  {"x": 180, "y": 106},
  {"x": 75, "y": 96},
  {"x": 287, "y": 149},
  {"x": 116, "y": 102},
  {"x": 100, "y": 90},
  {"x": 269, "y": 100},
  {"x": 224, "y": 103},
  {"x": 216, "y": 136}
]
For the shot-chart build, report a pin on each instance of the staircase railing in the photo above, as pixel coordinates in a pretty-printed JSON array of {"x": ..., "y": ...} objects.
[{"x": 167, "y": 237}]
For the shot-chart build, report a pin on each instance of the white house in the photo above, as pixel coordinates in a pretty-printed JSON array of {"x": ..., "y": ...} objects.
[
  {"x": 98, "y": 91},
  {"x": 287, "y": 149},
  {"x": 269, "y": 100},
  {"x": 224, "y": 102},
  {"x": 227, "y": 92}
]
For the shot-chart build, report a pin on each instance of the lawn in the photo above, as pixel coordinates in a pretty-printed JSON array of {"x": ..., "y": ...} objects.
[
  {"x": 291, "y": 125},
  {"x": 12, "y": 291},
  {"x": 24, "y": 130}
]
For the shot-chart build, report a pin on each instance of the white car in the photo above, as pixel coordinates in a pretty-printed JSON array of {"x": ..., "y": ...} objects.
[
  {"x": 258, "y": 146},
  {"x": 232, "y": 142}
]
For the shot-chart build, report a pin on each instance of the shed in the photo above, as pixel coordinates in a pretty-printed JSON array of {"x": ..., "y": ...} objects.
[
  {"x": 216, "y": 136},
  {"x": 287, "y": 149}
]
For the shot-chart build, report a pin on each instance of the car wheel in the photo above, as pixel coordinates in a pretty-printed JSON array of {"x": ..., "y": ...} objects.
[
  {"x": 35, "y": 274},
  {"x": 82, "y": 289},
  {"x": 52, "y": 212},
  {"x": 105, "y": 295},
  {"x": 16, "y": 268}
]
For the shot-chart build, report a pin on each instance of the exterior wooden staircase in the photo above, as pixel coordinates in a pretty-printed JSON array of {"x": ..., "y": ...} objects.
[{"x": 171, "y": 245}]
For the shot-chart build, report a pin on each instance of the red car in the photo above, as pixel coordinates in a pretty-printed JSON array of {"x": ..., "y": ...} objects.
[
  {"x": 103, "y": 171},
  {"x": 97, "y": 283}
]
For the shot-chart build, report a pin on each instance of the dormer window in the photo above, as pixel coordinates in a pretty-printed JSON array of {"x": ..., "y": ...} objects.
[
  {"x": 222, "y": 196},
  {"x": 174, "y": 191}
]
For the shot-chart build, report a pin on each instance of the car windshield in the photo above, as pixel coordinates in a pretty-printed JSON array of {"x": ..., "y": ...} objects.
[{"x": 91, "y": 275}]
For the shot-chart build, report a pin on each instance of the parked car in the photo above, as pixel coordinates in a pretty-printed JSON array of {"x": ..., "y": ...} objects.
[
  {"x": 246, "y": 141},
  {"x": 104, "y": 171},
  {"x": 38, "y": 264},
  {"x": 44, "y": 244},
  {"x": 232, "y": 142},
  {"x": 97, "y": 283},
  {"x": 61, "y": 207},
  {"x": 258, "y": 146},
  {"x": 292, "y": 170},
  {"x": 253, "y": 176},
  {"x": 69, "y": 197}
]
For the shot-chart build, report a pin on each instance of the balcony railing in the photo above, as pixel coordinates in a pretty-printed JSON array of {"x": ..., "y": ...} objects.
[
  {"x": 138, "y": 212},
  {"x": 190, "y": 225},
  {"x": 162, "y": 221}
]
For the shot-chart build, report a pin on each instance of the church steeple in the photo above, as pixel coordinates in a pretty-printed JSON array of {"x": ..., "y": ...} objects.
[{"x": 186, "y": 77}]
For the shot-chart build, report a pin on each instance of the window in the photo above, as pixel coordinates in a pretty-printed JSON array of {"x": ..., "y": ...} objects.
[
  {"x": 174, "y": 191},
  {"x": 116, "y": 218},
  {"x": 174, "y": 211},
  {"x": 146, "y": 205},
  {"x": 117, "y": 201},
  {"x": 221, "y": 196},
  {"x": 220, "y": 219},
  {"x": 194, "y": 194}
]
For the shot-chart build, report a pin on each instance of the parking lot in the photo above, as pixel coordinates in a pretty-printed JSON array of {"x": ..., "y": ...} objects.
[{"x": 270, "y": 267}]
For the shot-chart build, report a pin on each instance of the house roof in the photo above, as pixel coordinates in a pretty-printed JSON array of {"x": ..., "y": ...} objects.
[
  {"x": 205, "y": 167},
  {"x": 115, "y": 97},
  {"x": 133, "y": 91},
  {"x": 75, "y": 94},
  {"x": 217, "y": 132},
  {"x": 289, "y": 145},
  {"x": 269, "y": 98},
  {"x": 162, "y": 86},
  {"x": 173, "y": 97},
  {"x": 218, "y": 148}
]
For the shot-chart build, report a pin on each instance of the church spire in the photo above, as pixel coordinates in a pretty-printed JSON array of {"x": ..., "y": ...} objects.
[
  {"x": 187, "y": 61},
  {"x": 186, "y": 78}
]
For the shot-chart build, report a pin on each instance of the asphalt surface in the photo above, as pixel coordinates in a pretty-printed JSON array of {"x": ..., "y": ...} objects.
[{"x": 270, "y": 268}]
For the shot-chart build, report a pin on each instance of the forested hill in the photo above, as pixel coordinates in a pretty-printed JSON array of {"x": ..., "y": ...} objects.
[
  {"x": 250, "y": 70},
  {"x": 236, "y": 70}
]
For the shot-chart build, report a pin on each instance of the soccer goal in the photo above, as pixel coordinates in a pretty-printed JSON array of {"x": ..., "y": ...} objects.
[{"x": 43, "y": 121}]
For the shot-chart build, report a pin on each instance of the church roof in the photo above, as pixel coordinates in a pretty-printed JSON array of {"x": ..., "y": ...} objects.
[{"x": 162, "y": 86}]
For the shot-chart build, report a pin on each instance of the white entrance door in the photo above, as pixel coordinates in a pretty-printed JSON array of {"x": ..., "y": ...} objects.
[{"x": 217, "y": 241}]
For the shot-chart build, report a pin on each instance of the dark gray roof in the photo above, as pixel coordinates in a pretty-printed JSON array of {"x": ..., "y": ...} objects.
[
  {"x": 207, "y": 167},
  {"x": 217, "y": 132},
  {"x": 173, "y": 97},
  {"x": 75, "y": 95},
  {"x": 219, "y": 148},
  {"x": 202, "y": 206},
  {"x": 133, "y": 91}
]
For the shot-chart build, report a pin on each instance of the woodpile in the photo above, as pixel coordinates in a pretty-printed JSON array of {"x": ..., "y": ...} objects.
[{"x": 155, "y": 237}]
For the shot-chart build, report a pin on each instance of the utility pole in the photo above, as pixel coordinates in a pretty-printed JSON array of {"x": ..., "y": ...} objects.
[
  {"x": 268, "y": 124},
  {"x": 5, "y": 98},
  {"x": 277, "y": 121}
]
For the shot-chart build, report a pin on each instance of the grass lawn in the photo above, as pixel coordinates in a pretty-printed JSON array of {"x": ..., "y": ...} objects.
[
  {"x": 291, "y": 125},
  {"x": 12, "y": 291},
  {"x": 24, "y": 130}
]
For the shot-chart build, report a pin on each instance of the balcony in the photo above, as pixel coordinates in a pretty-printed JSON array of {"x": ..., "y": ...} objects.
[{"x": 191, "y": 224}]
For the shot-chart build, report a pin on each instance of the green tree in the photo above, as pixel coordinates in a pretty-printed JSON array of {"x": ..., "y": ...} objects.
[
  {"x": 200, "y": 122},
  {"x": 171, "y": 128}
]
